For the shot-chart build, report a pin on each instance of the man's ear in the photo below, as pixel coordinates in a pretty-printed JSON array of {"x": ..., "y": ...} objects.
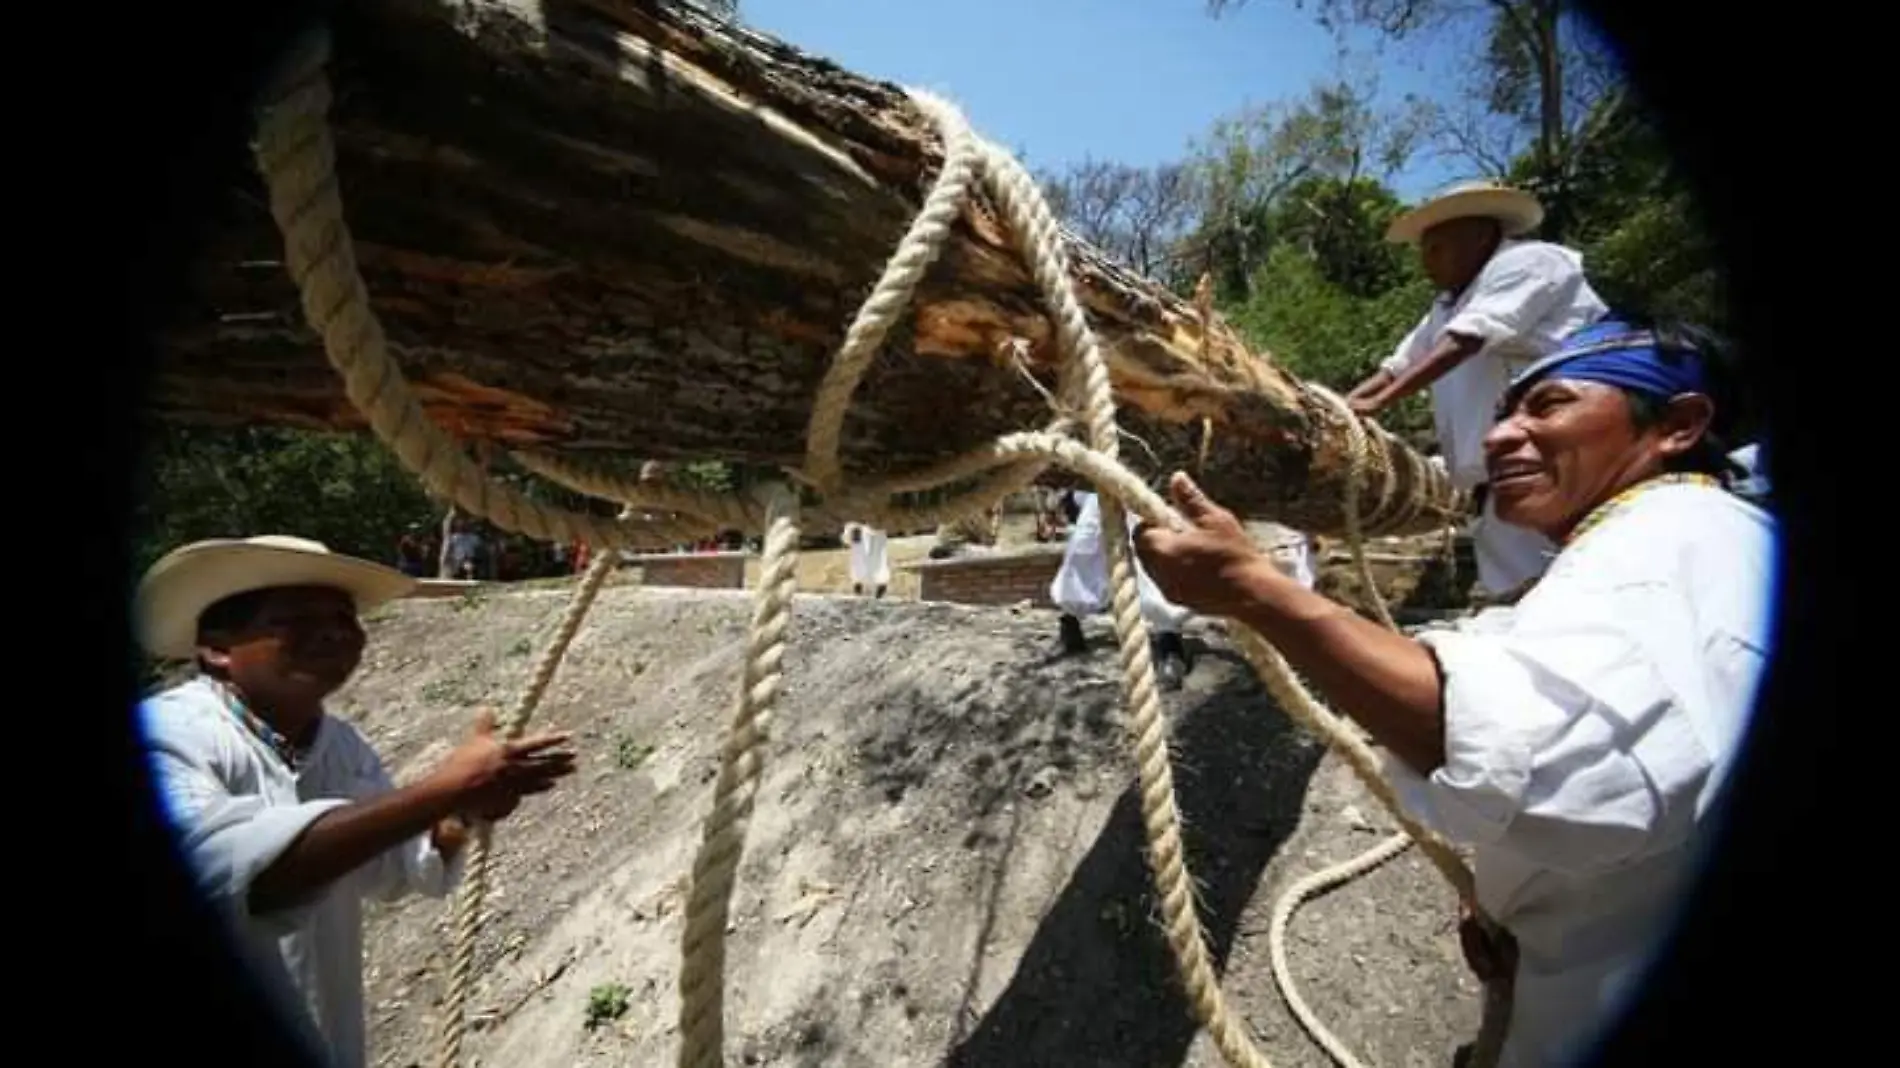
[
  {"x": 214, "y": 651},
  {"x": 1684, "y": 423}
]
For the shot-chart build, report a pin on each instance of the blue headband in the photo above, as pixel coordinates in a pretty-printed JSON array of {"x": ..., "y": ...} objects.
[{"x": 1617, "y": 354}]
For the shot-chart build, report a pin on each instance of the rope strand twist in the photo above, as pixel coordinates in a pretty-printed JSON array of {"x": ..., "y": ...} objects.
[{"x": 297, "y": 158}]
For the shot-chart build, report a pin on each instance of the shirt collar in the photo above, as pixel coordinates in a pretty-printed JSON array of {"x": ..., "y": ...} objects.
[
  {"x": 294, "y": 757},
  {"x": 1446, "y": 298}
]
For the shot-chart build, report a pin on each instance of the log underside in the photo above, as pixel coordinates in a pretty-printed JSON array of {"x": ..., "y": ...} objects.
[{"x": 615, "y": 227}]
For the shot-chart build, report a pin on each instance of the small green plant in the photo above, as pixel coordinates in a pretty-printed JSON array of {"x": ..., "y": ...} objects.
[
  {"x": 474, "y": 598},
  {"x": 521, "y": 647},
  {"x": 441, "y": 692},
  {"x": 630, "y": 752},
  {"x": 605, "y": 1003}
]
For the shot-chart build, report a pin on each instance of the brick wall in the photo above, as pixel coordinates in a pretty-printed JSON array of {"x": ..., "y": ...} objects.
[
  {"x": 1004, "y": 578},
  {"x": 719, "y": 571}
]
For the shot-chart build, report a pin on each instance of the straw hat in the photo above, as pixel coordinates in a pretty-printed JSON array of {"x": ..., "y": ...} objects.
[
  {"x": 192, "y": 578},
  {"x": 1516, "y": 209}
]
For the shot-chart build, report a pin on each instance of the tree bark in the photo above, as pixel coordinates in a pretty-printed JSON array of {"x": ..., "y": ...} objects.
[{"x": 622, "y": 227}]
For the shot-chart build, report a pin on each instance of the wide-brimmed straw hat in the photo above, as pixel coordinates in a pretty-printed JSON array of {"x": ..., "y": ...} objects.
[
  {"x": 1515, "y": 209},
  {"x": 186, "y": 581}
]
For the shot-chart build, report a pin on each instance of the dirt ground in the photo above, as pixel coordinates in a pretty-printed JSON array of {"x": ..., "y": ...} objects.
[{"x": 945, "y": 865}]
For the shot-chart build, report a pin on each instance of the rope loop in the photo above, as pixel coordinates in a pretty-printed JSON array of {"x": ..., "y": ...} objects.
[{"x": 294, "y": 151}]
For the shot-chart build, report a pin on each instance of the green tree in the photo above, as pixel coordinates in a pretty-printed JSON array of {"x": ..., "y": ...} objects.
[
  {"x": 1540, "y": 70},
  {"x": 1340, "y": 224},
  {"x": 1645, "y": 243},
  {"x": 1544, "y": 104},
  {"x": 1256, "y": 170},
  {"x": 1322, "y": 332},
  {"x": 344, "y": 490}
]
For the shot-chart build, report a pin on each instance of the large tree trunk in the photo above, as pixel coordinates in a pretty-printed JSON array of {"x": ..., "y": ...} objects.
[{"x": 609, "y": 226}]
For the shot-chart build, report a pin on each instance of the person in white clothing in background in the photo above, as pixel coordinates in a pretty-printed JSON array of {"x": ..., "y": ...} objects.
[
  {"x": 1578, "y": 741},
  {"x": 870, "y": 558},
  {"x": 284, "y": 813},
  {"x": 1750, "y": 479},
  {"x": 1081, "y": 588},
  {"x": 1295, "y": 552},
  {"x": 1503, "y": 302}
]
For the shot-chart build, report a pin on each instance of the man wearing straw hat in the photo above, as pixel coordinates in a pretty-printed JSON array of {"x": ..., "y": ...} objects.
[
  {"x": 284, "y": 813},
  {"x": 1503, "y": 302},
  {"x": 1578, "y": 741}
]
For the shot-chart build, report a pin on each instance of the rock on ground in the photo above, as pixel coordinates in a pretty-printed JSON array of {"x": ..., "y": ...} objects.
[{"x": 945, "y": 865}]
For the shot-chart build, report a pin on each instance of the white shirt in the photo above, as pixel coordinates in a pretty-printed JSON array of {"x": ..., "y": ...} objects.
[
  {"x": 1526, "y": 300},
  {"x": 870, "y": 555},
  {"x": 1292, "y": 552},
  {"x": 1754, "y": 483},
  {"x": 1081, "y": 586},
  {"x": 236, "y": 807},
  {"x": 462, "y": 547},
  {"x": 1587, "y": 731}
]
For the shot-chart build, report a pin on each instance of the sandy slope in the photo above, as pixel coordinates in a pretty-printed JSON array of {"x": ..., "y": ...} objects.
[{"x": 945, "y": 866}]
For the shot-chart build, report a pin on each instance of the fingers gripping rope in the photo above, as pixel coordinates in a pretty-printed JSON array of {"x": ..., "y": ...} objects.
[
  {"x": 474, "y": 888},
  {"x": 295, "y": 154}
]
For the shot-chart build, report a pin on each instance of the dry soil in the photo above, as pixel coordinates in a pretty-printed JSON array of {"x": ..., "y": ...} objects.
[{"x": 945, "y": 866}]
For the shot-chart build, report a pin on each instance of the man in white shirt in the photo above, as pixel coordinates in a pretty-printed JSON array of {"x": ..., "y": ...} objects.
[
  {"x": 1081, "y": 588},
  {"x": 870, "y": 558},
  {"x": 1503, "y": 302},
  {"x": 285, "y": 814},
  {"x": 1577, "y": 740},
  {"x": 1294, "y": 552},
  {"x": 1751, "y": 473}
]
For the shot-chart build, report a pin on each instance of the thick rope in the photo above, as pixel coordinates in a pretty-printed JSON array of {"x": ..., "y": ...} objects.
[
  {"x": 1357, "y": 448},
  {"x": 1362, "y": 759},
  {"x": 474, "y": 888},
  {"x": 889, "y": 299},
  {"x": 295, "y": 152},
  {"x": 1040, "y": 240},
  {"x": 296, "y": 156},
  {"x": 1312, "y": 886},
  {"x": 1328, "y": 878},
  {"x": 742, "y": 758}
]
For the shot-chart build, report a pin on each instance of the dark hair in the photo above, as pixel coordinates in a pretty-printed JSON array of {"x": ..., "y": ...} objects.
[
  {"x": 1731, "y": 424},
  {"x": 230, "y": 614},
  {"x": 1709, "y": 455}
]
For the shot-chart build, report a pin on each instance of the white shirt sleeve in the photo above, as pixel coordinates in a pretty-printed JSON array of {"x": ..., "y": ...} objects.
[
  {"x": 1563, "y": 743},
  {"x": 415, "y": 866},
  {"x": 1515, "y": 290},
  {"x": 1409, "y": 349},
  {"x": 228, "y": 840}
]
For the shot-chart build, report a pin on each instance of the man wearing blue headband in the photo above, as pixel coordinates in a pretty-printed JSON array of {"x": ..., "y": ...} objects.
[
  {"x": 1503, "y": 301},
  {"x": 1576, "y": 740}
]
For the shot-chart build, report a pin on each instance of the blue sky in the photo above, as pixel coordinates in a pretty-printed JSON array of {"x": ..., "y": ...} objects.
[{"x": 1126, "y": 80}]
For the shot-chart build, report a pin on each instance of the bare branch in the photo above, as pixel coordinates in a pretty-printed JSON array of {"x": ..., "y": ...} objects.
[{"x": 1476, "y": 137}]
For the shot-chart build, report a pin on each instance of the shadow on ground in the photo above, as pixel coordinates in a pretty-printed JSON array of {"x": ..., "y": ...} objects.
[{"x": 1097, "y": 984}]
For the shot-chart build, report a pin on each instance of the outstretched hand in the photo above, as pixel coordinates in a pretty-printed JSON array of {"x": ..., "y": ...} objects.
[
  {"x": 491, "y": 776},
  {"x": 1200, "y": 567},
  {"x": 1365, "y": 405}
]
